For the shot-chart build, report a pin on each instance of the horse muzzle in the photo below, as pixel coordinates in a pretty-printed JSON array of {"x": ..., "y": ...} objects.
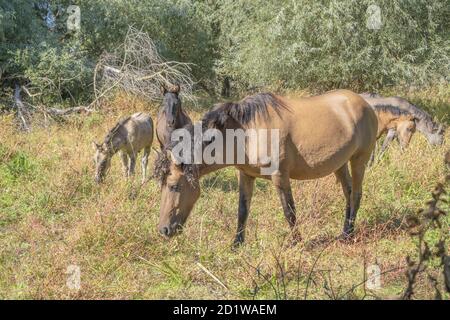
[
  {"x": 98, "y": 179},
  {"x": 169, "y": 231}
]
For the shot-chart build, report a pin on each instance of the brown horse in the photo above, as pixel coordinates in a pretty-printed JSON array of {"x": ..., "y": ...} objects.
[
  {"x": 171, "y": 116},
  {"x": 395, "y": 123},
  {"x": 317, "y": 136}
]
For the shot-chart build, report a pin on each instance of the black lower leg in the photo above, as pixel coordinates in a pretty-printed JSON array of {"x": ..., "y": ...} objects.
[
  {"x": 245, "y": 194},
  {"x": 287, "y": 201},
  {"x": 242, "y": 220},
  {"x": 350, "y": 217}
]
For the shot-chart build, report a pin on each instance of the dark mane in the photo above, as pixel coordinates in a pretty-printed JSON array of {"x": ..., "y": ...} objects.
[
  {"x": 162, "y": 162},
  {"x": 370, "y": 95},
  {"x": 392, "y": 110},
  {"x": 244, "y": 111},
  {"x": 114, "y": 129},
  {"x": 419, "y": 114},
  {"x": 161, "y": 167}
]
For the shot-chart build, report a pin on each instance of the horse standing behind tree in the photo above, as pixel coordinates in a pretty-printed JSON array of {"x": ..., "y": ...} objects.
[
  {"x": 317, "y": 136},
  {"x": 171, "y": 116},
  {"x": 129, "y": 136}
]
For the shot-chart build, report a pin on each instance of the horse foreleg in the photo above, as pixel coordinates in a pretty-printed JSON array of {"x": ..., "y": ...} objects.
[
  {"x": 124, "y": 158},
  {"x": 389, "y": 137},
  {"x": 144, "y": 163},
  {"x": 246, "y": 184},
  {"x": 283, "y": 186}
]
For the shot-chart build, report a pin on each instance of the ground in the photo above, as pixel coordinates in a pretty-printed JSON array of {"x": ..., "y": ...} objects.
[{"x": 53, "y": 215}]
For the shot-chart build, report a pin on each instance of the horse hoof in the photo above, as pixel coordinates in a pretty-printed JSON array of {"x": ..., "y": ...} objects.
[
  {"x": 296, "y": 239},
  {"x": 237, "y": 244},
  {"x": 345, "y": 236}
]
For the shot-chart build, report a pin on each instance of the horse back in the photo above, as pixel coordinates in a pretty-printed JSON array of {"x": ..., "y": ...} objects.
[{"x": 139, "y": 131}]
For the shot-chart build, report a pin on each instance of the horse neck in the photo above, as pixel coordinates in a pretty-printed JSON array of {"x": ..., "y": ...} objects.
[
  {"x": 385, "y": 121},
  {"x": 181, "y": 119},
  {"x": 115, "y": 142},
  {"x": 205, "y": 168}
]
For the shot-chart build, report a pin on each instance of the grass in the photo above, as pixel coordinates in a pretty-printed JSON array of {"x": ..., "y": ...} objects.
[{"x": 52, "y": 215}]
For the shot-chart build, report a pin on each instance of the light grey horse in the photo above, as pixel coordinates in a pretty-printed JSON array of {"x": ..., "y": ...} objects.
[
  {"x": 129, "y": 136},
  {"x": 433, "y": 131}
]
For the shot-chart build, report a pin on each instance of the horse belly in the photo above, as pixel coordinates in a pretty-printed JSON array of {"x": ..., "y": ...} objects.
[
  {"x": 319, "y": 163},
  {"x": 140, "y": 137},
  {"x": 323, "y": 152}
]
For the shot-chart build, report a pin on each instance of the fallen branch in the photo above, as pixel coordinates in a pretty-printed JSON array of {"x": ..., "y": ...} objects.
[{"x": 65, "y": 112}]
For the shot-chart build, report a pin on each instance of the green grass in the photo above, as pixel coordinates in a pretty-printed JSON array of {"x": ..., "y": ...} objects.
[{"x": 53, "y": 215}]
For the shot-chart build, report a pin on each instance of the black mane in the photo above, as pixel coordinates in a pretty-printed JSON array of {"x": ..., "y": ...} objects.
[
  {"x": 244, "y": 111},
  {"x": 392, "y": 110}
]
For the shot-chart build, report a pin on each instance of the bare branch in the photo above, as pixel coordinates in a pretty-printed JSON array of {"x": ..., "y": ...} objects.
[{"x": 136, "y": 67}]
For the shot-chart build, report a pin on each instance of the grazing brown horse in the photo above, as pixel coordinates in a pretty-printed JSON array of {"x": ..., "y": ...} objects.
[
  {"x": 129, "y": 136},
  {"x": 433, "y": 131},
  {"x": 171, "y": 116},
  {"x": 317, "y": 136},
  {"x": 393, "y": 119}
]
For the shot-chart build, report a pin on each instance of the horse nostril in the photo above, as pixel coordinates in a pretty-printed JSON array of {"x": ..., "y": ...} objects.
[{"x": 164, "y": 231}]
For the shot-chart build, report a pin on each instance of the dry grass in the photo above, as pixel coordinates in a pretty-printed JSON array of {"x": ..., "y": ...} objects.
[{"x": 53, "y": 215}]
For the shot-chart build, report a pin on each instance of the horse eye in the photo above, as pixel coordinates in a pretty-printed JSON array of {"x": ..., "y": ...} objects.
[{"x": 174, "y": 188}]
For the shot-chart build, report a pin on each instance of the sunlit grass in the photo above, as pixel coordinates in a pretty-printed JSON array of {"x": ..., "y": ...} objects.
[{"x": 52, "y": 215}]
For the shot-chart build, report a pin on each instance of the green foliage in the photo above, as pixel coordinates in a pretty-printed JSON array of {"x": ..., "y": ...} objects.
[
  {"x": 289, "y": 45},
  {"x": 59, "y": 65},
  {"x": 52, "y": 63},
  {"x": 16, "y": 165},
  {"x": 326, "y": 44}
]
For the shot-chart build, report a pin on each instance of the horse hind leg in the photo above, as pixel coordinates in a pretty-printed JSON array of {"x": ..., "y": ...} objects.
[
  {"x": 144, "y": 163},
  {"x": 343, "y": 176},
  {"x": 358, "y": 165}
]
